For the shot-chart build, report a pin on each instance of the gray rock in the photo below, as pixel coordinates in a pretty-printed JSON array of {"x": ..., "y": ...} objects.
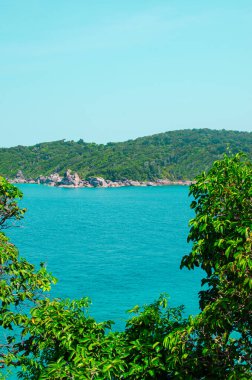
[
  {"x": 98, "y": 182},
  {"x": 134, "y": 183},
  {"x": 69, "y": 179}
]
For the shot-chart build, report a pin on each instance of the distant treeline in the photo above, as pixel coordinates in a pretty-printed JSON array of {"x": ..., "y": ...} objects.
[{"x": 174, "y": 155}]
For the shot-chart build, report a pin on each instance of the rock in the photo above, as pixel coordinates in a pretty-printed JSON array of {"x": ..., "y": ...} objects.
[
  {"x": 85, "y": 184},
  {"x": 98, "y": 182},
  {"x": 164, "y": 182},
  {"x": 76, "y": 179},
  {"x": 73, "y": 180},
  {"x": 51, "y": 180},
  {"x": 19, "y": 177},
  {"x": 125, "y": 182},
  {"x": 55, "y": 177},
  {"x": 113, "y": 184},
  {"x": 41, "y": 179},
  {"x": 69, "y": 179},
  {"x": 134, "y": 183}
]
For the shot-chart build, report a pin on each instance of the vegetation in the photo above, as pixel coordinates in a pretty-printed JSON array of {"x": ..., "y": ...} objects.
[
  {"x": 20, "y": 283},
  {"x": 57, "y": 339},
  {"x": 174, "y": 155},
  {"x": 221, "y": 233}
]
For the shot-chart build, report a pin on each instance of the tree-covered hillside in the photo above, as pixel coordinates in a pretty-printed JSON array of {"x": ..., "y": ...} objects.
[{"x": 174, "y": 155}]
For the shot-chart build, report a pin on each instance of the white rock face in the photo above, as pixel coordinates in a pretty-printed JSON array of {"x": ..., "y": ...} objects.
[{"x": 76, "y": 179}]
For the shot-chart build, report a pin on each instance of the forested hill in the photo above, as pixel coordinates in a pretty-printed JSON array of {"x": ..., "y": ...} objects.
[{"x": 174, "y": 155}]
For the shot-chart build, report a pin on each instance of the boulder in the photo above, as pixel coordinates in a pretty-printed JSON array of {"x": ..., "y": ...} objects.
[
  {"x": 70, "y": 179},
  {"x": 98, "y": 182},
  {"x": 134, "y": 183}
]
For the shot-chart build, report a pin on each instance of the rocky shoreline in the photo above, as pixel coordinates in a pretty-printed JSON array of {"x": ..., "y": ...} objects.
[{"x": 69, "y": 180}]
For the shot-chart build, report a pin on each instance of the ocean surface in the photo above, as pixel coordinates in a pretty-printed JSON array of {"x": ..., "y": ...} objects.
[{"x": 119, "y": 246}]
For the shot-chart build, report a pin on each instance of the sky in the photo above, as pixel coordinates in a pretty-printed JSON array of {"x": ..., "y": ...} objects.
[{"x": 115, "y": 70}]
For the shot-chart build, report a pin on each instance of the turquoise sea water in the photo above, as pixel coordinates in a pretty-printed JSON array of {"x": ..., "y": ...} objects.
[{"x": 119, "y": 246}]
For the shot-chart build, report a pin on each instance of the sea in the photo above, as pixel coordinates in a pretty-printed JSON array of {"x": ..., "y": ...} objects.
[{"x": 119, "y": 246}]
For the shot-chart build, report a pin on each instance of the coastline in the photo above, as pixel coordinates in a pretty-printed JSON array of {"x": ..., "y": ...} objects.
[{"x": 74, "y": 181}]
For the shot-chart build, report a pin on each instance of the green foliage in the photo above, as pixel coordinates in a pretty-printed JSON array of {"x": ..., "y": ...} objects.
[
  {"x": 9, "y": 209},
  {"x": 175, "y": 155},
  {"x": 65, "y": 342},
  {"x": 58, "y": 339},
  {"x": 20, "y": 283},
  {"x": 147, "y": 358},
  {"x": 221, "y": 233}
]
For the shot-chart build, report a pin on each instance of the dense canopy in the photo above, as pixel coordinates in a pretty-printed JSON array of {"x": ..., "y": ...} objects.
[{"x": 174, "y": 155}]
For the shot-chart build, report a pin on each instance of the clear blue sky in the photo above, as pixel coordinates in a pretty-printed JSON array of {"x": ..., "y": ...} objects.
[{"x": 111, "y": 70}]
